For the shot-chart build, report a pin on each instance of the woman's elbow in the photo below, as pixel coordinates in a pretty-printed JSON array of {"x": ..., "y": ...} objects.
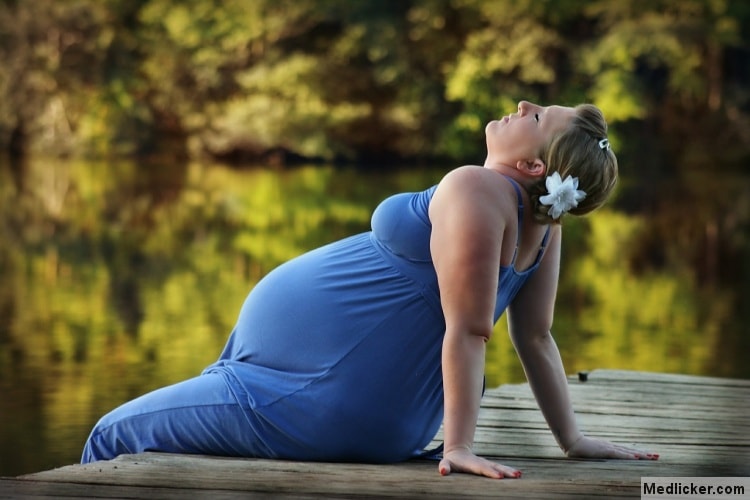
[
  {"x": 529, "y": 337},
  {"x": 471, "y": 329}
]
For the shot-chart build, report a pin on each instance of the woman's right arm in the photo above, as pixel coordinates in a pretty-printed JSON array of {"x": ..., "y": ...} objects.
[{"x": 468, "y": 221}]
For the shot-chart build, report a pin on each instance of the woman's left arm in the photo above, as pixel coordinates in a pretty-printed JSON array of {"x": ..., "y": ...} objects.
[{"x": 529, "y": 321}]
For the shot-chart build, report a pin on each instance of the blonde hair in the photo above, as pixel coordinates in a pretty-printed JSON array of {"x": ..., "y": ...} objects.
[{"x": 577, "y": 152}]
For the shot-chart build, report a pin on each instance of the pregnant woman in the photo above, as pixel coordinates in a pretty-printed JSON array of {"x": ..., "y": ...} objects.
[{"x": 357, "y": 351}]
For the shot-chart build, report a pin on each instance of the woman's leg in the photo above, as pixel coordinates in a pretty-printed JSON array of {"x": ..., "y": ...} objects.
[{"x": 199, "y": 415}]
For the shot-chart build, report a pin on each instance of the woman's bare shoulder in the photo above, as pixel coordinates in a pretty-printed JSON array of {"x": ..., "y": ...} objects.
[{"x": 486, "y": 187}]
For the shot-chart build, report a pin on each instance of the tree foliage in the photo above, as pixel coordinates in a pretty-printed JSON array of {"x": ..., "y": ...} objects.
[
  {"x": 371, "y": 79},
  {"x": 123, "y": 270}
]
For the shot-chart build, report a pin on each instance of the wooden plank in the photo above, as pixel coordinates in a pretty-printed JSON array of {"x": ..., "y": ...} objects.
[
  {"x": 664, "y": 378},
  {"x": 699, "y": 426},
  {"x": 45, "y": 490},
  {"x": 417, "y": 479}
]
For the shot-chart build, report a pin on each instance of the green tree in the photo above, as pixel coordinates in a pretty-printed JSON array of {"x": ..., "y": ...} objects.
[{"x": 52, "y": 54}]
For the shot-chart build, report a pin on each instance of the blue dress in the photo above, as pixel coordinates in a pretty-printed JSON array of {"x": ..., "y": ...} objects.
[{"x": 336, "y": 356}]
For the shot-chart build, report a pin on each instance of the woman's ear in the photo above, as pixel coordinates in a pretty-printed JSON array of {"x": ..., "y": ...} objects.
[{"x": 532, "y": 168}]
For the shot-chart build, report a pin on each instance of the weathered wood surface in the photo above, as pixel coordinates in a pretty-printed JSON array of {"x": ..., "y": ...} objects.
[{"x": 699, "y": 426}]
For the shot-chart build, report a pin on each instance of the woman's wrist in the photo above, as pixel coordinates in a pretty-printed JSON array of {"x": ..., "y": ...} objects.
[
  {"x": 457, "y": 447},
  {"x": 572, "y": 443}
]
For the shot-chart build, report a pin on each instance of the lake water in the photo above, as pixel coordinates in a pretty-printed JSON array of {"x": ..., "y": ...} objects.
[{"x": 119, "y": 278}]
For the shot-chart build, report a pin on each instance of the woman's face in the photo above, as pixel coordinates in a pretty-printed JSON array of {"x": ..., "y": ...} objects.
[{"x": 520, "y": 136}]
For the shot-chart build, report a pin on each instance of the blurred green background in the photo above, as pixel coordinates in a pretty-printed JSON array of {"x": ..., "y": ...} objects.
[{"x": 159, "y": 157}]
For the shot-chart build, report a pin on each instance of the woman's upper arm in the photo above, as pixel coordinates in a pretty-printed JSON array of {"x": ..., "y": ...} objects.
[
  {"x": 532, "y": 311},
  {"x": 466, "y": 212}
]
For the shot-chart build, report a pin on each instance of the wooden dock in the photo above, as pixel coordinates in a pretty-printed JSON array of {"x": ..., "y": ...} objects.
[{"x": 698, "y": 425}]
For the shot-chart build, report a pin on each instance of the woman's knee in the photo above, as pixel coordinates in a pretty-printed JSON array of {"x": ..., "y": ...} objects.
[{"x": 100, "y": 445}]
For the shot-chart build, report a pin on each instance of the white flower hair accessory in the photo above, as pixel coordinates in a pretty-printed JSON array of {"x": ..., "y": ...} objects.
[{"x": 563, "y": 195}]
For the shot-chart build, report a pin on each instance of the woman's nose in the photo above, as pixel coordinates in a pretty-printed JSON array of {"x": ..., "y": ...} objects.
[{"x": 525, "y": 107}]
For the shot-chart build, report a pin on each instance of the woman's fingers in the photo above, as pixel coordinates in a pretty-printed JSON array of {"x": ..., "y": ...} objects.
[
  {"x": 445, "y": 467},
  {"x": 595, "y": 448},
  {"x": 509, "y": 472},
  {"x": 478, "y": 466},
  {"x": 634, "y": 454}
]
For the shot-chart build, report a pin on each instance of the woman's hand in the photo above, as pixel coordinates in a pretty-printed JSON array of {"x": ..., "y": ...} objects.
[
  {"x": 463, "y": 460},
  {"x": 587, "y": 447}
]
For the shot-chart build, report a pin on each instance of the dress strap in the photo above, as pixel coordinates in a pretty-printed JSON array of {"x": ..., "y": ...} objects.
[
  {"x": 543, "y": 246},
  {"x": 520, "y": 218}
]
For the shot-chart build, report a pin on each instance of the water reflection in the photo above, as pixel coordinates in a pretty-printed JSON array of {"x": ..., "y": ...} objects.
[{"x": 118, "y": 278}]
